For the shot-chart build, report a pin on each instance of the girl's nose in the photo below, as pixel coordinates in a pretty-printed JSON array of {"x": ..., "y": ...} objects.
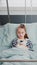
[{"x": 20, "y": 34}]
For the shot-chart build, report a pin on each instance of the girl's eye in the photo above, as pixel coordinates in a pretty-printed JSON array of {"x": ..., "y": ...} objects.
[{"x": 18, "y": 32}]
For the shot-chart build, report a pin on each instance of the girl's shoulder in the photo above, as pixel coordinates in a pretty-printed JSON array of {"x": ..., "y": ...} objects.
[
  {"x": 29, "y": 44},
  {"x": 14, "y": 40},
  {"x": 28, "y": 40}
]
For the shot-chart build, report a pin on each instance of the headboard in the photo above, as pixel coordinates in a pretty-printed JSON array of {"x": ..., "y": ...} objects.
[{"x": 17, "y": 19}]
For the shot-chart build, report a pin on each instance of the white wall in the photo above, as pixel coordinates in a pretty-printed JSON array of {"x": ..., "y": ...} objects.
[
  {"x": 2, "y": 3},
  {"x": 17, "y": 7},
  {"x": 19, "y": 3}
]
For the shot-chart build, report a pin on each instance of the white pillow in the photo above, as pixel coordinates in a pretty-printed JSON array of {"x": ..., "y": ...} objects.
[{"x": 31, "y": 31}]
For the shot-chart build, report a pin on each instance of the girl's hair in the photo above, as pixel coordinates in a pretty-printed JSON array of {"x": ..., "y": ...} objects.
[{"x": 23, "y": 26}]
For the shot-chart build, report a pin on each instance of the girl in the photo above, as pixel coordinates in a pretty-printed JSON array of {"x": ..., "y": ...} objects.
[{"x": 22, "y": 38}]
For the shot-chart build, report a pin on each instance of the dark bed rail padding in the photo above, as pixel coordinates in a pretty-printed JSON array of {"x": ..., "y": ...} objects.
[{"x": 17, "y": 19}]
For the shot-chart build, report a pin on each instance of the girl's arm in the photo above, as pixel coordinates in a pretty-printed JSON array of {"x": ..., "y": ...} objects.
[
  {"x": 29, "y": 45},
  {"x": 13, "y": 43}
]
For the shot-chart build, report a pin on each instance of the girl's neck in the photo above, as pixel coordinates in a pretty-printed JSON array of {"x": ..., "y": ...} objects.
[{"x": 21, "y": 38}]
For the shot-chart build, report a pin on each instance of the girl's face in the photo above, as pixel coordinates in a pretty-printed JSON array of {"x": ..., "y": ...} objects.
[{"x": 20, "y": 33}]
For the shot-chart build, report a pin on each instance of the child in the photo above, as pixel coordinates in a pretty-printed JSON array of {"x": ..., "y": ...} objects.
[{"x": 22, "y": 38}]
